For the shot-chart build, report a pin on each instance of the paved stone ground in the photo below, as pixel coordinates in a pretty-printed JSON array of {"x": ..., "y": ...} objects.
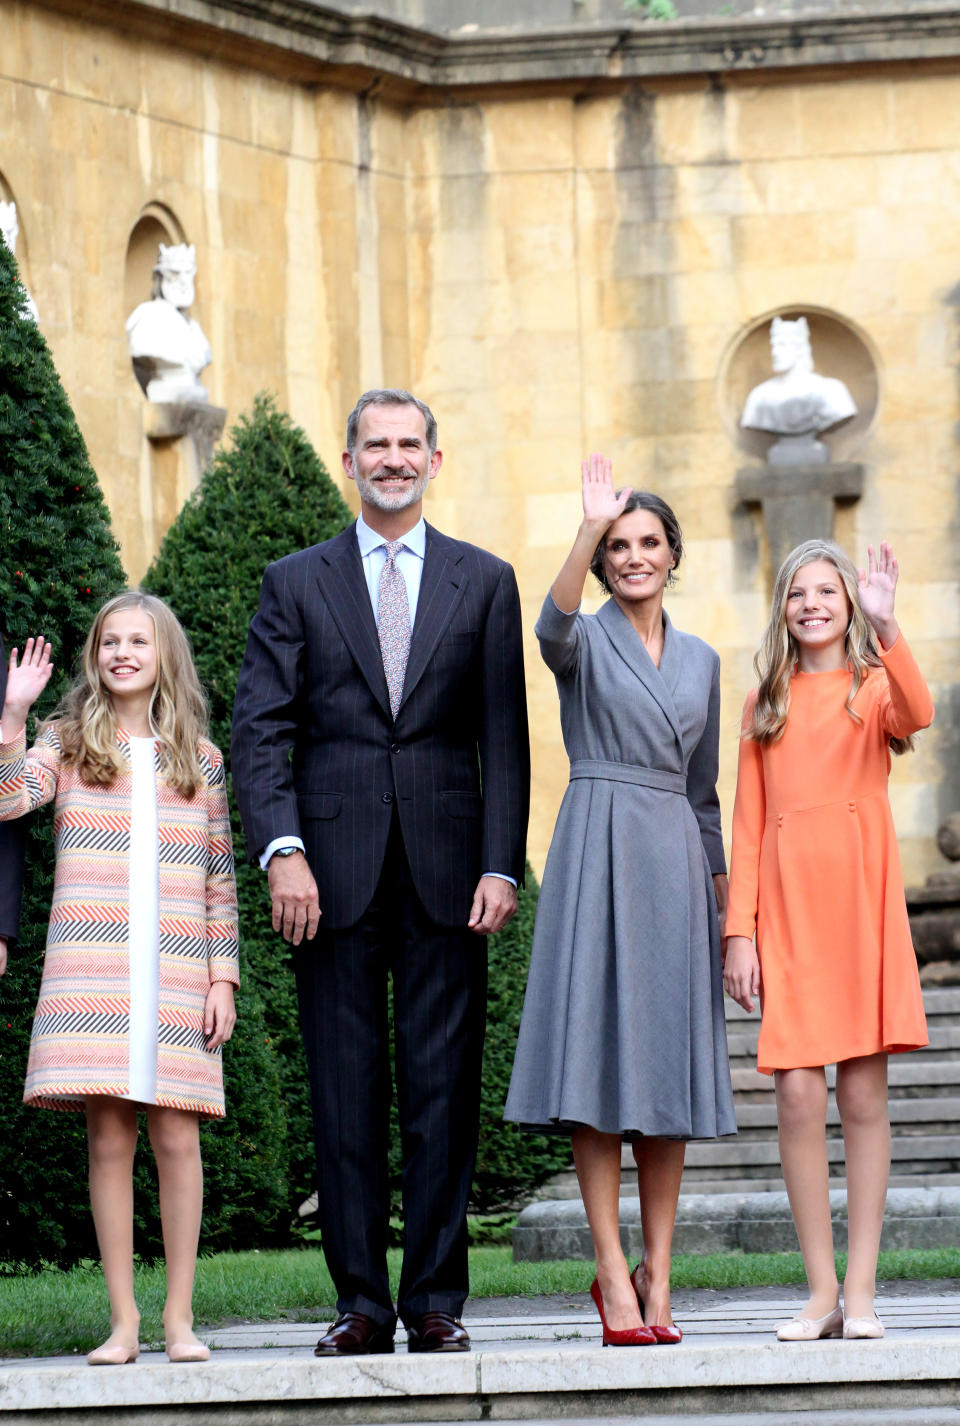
[
  {"x": 536, "y": 1359},
  {"x": 696, "y": 1299}
]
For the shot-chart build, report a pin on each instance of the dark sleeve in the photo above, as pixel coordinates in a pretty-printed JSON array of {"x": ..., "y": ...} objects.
[
  {"x": 13, "y": 841},
  {"x": 265, "y": 716},
  {"x": 702, "y": 774},
  {"x": 504, "y": 739}
]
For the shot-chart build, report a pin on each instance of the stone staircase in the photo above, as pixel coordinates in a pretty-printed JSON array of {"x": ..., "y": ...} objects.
[{"x": 924, "y": 1116}]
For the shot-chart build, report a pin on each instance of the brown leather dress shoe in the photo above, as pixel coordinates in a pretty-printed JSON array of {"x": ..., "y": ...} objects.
[
  {"x": 354, "y": 1335},
  {"x": 437, "y": 1332}
]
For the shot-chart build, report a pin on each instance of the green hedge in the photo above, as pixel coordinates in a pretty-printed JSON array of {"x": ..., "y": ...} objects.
[{"x": 59, "y": 564}]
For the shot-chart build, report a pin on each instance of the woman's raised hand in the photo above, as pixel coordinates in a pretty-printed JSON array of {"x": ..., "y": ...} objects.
[
  {"x": 601, "y": 503},
  {"x": 877, "y": 588},
  {"x": 26, "y": 680}
]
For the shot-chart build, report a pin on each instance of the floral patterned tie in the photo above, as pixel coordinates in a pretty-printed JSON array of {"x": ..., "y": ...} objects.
[{"x": 393, "y": 623}]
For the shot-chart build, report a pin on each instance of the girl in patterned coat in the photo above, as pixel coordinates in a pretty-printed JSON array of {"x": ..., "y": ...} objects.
[{"x": 136, "y": 999}]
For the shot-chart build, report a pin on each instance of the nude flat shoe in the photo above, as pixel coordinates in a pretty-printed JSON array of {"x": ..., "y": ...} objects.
[
  {"x": 811, "y": 1329},
  {"x": 112, "y": 1356},
  {"x": 856, "y": 1327},
  {"x": 187, "y": 1352}
]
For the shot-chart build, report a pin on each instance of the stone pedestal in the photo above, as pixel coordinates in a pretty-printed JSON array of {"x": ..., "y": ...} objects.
[
  {"x": 798, "y": 501},
  {"x": 198, "y": 426},
  {"x": 178, "y": 446}
]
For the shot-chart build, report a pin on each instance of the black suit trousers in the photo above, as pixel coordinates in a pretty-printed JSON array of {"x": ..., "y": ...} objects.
[{"x": 439, "y": 978}]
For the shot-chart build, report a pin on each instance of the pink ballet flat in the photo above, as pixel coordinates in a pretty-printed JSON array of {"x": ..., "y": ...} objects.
[
  {"x": 187, "y": 1352},
  {"x": 811, "y": 1329},
  {"x": 115, "y": 1355}
]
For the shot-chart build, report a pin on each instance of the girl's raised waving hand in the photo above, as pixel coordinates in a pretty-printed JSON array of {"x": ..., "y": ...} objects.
[
  {"x": 877, "y": 587},
  {"x": 26, "y": 681}
]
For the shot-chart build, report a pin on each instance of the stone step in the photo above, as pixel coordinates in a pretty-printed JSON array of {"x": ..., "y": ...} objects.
[
  {"x": 698, "y": 1181},
  {"x": 749, "y": 1222},
  {"x": 908, "y": 1117},
  {"x": 565, "y": 1186},
  {"x": 937, "y": 1115},
  {"x": 907, "y": 1076},
  {"x": 936, "y": 1002},
  {"x": 944, "y": 1043},
  {"x": 943, "y": 1150}
]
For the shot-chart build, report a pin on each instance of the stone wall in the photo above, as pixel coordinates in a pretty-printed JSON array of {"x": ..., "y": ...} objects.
[{"x": 555, "y": 269}]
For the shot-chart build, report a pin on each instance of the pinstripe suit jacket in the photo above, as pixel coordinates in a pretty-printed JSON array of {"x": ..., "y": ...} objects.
[
  {"x": 316, "y": 753},
  {"x": 12, "y": 844}
]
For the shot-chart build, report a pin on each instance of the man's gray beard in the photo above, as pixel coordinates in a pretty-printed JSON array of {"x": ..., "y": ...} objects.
[{"x": 383, "y": 500}]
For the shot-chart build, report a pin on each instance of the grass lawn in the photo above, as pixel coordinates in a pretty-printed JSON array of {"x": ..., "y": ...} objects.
[{"x": 52, "y": 1312}]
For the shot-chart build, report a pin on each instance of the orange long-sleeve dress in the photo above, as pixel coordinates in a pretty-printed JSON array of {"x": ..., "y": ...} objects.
[{"x": 815, "y": 870}]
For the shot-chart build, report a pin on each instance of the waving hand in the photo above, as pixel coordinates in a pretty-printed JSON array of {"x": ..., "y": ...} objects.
[
  {"x": 877, "y": 587},
  {"x": 26, "y": 681},
  {"x": 601, "y": 504}
]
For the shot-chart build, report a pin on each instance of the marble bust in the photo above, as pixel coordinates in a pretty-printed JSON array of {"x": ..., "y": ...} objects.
[
  {"x": 796, "y": 403},
  {"x": 9, "y": 228},
  {"x": 169, "y": 349}
]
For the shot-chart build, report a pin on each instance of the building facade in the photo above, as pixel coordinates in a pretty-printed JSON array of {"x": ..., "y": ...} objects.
[{"x": 566, "y": 235}]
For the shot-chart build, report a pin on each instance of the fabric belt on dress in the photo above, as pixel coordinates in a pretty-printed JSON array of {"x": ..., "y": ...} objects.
[{"x": 629, "y": 772}]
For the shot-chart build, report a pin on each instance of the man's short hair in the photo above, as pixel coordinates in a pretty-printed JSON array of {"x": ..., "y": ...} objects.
[{"x": 390, "y": 396}]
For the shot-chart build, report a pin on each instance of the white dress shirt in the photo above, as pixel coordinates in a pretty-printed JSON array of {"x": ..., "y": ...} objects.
[{"x": 373, "y": 557}]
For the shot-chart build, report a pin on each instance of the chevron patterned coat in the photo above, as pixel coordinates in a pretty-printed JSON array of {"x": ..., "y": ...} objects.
[{"x": 79, "y": 1040}]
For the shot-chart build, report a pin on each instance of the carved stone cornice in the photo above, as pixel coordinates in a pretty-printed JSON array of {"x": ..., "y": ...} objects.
[{"x": 320, "y": 44}]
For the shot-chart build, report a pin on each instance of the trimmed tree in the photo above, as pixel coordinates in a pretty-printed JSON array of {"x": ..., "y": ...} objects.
[{"x": 59, "y": 564}]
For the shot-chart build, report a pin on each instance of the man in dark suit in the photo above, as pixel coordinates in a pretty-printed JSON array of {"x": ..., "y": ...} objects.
[
  {"x": 12, "y": 844},
  {"x": 381, "y": 762}
]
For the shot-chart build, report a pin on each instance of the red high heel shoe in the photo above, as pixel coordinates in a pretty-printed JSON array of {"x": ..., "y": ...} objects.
[
  {"x": 666, "y": 1336},
  {"x": 628, "y": 1336}
]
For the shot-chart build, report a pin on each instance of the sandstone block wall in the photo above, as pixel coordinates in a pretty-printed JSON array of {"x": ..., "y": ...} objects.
[{"x": 553, "y": 271}]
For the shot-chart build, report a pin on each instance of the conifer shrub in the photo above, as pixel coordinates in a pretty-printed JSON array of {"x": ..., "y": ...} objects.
[{"x": 58, "y": 564}]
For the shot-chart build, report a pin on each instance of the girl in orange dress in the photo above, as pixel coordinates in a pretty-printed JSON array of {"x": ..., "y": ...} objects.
[{"x": 816, "y": 876}]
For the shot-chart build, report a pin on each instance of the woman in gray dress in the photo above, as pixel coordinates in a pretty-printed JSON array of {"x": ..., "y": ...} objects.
[{"x": 623, "y": 1028}]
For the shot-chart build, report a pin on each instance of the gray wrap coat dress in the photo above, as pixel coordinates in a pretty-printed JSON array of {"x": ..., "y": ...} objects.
[{"x": 623, "y": 1022}]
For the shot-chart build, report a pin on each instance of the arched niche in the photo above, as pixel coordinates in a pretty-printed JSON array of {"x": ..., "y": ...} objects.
[
  {"x": 840, "y": 348},
  {"x": 178, "y": 438},
  {"x": 799, "y": 500},
  {"x": 7, "y": 195},
  {"x": 155, "y": 225}
]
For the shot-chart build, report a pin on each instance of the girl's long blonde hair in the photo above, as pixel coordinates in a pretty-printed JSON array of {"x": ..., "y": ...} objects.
[
  {"x": 87, "y": 724},
  {"x": 775, "y": 659}
]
